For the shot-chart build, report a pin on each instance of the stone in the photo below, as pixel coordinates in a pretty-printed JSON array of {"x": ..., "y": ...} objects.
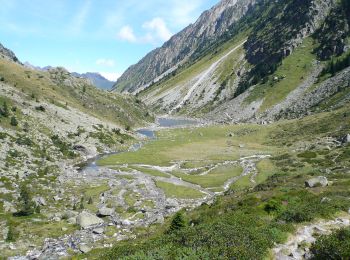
[
  {"x": 346, "y": 139},
  {"x": 103, "y": 212},
  {"x": 9, "y": 207},
  {"x": 98, "y": 231},
  {"x": 126, "y": 223},
  {"x": 317, "y": 181},
  {"x": 241, "y": 145},
  {"x": 40, "y": 201},
  {"x": 84, "y": 249},
  {"x": 86, "y": 220},
  {"x": 57, "y": 198},
  {"x": 70, "y": 214},
  {"x": 64, "y": 229},
  {"x": 72, "y": 220}
]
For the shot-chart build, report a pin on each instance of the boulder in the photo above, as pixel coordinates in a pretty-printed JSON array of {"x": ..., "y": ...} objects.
[
  {"x": 98, "y": 231},
  {"x": 86, "y": 220},
  {"x": 84, "y": 249},
  {"x": 103, "y": 212},
  {"x": 317, "y": 181},
  {"x": 72, "y": 220}
]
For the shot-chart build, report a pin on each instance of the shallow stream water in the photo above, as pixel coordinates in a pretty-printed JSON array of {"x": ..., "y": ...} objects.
[{"x": 149, "y": 133}]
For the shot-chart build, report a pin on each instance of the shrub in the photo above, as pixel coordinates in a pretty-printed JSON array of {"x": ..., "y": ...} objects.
[
  {"x": 14, "y": 121},
  {"x": 27, "y": 205},
  {"x": 334, "y": 246},
  {"x": 178, "y": 222},
  {"x": 272, "y": 206}
]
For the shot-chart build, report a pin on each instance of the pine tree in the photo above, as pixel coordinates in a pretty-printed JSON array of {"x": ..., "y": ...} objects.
[{"x": 178, "y": 222}]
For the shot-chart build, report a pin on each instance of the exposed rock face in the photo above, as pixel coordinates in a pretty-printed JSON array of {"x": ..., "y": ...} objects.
[
  {"x": 162, "y": 61},
  {"x": 318, "y": 181},
  {"x": 8, "y": 54},
  {"x": 86, "y": 220}
]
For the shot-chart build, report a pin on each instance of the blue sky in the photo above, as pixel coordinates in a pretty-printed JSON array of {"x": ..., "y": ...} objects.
[{"x": 92, "y": 35}]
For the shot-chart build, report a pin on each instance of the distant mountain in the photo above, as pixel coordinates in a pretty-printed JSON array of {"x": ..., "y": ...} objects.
[{"x": 96, "y": 79}]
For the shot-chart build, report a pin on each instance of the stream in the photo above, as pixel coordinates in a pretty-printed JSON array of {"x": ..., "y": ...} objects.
[{"x": 150, "y": 133}]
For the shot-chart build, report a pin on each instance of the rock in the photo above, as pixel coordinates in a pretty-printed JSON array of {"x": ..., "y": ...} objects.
[
  {"x": 80, "y": 148},
  {"x": 103, "y": 212},
  {"x": 346, "y": 139},
  {"x": 9, "y": 207},
  {"x": 72, "y": 220},
  {"x": 40, "y": 201},
  {"x": 159, "y": 220},
  {"x": 231, "y": 135},
  {"x": 241, "y": 145},
  {"x": 57, "y": 198},
  {"x": 126, "y": 223},
  {"x": 64, "y": 229},
  {"x": 318, "y": 181},
  {"x": 84, "y": 249},
  {"x": 70, "y": 214},
  {"x": 86, "y": 220},
  {"x": 98, "y": 230}
]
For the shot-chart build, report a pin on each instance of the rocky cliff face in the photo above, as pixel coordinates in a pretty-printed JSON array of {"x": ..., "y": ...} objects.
[
  {"x": 162, "y": 61},
  {"x": 7, "y": 54}
]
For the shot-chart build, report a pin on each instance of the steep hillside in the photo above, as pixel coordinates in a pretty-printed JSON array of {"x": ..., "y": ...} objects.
[
  {"x": 251, "y": 72},
  {"x": 49, "y": 122},
  {"x": 163, "y": 61}
]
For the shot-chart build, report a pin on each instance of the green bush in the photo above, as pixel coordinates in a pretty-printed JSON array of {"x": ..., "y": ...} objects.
[
  {"x": 334, "y": 246},
  {"x": 14, "y": 121},
  {"x": 178, "y": 222}
]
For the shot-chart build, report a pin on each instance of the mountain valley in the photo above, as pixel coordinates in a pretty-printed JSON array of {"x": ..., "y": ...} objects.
[{"x": 231, "y": 141}]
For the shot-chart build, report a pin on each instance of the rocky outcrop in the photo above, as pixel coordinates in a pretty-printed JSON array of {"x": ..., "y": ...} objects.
[
  {"x": 316, "y": 182},
  {"x": 86, "y": 220},
  {"x": 8, "y": 54},
  {"x": 163, "y": 61}
]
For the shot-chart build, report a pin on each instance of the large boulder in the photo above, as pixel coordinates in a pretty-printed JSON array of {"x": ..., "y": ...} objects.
[
  {"x": 316, "y": 182},
  {"x": 86, "y": 220},
  {"x": 104, "y": 212}
]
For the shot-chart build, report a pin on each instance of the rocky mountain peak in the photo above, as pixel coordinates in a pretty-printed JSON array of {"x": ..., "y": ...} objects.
[{"x": 162, "y": 61}]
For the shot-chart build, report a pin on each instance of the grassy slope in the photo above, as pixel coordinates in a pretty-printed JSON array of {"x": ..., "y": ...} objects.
[
  {"x": 101, "y": 104},
  {"x": 294, "y": 68},
  {"x": 249, "y": 222}
]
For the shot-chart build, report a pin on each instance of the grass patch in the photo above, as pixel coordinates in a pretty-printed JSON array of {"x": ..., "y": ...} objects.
[
  {"x": 214, "y": 178},
  {"x": 293, "y": 71},
  {"x": 180, "y": 192}
]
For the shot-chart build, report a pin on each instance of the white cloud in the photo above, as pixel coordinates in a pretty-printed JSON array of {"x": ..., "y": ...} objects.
[
  {"x": 106, "y": 62},
  {"x": 110, "y": 75},
  {"x": 155, "y": 30},
  {"x": 158, "y": 30},
  {"x": 80, "y": 18},
  {"x": 126, "y": 33}
]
